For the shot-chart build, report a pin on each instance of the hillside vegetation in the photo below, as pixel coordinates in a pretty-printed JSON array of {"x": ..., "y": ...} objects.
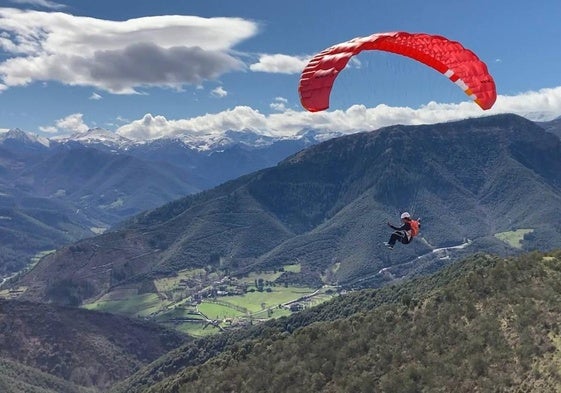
[
  {"x": 86, "y": 348},
  {"x": 489, "y": 185},
  {"x": 486, "y": 324},
  {"x": 17, "y": 378},
  {"x": 54, "y": 192},
  {"x": 326, "y": 208}
]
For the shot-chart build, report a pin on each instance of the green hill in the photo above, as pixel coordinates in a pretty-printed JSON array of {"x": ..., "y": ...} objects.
[
  {"x": 486, "y": 324},
  {"x": 326, "y": 208}
]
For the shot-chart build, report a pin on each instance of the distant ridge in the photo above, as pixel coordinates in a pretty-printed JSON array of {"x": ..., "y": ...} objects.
[
  {"x": 326, "y": 208},
  {"x": 58, "y": 190}
]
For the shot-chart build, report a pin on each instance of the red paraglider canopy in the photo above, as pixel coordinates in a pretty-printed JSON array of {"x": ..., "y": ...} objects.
[{"x": 450, "y": 58}]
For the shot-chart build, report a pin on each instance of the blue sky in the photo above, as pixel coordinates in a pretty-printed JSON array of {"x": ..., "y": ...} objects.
[{"x": 148, "y": 69}]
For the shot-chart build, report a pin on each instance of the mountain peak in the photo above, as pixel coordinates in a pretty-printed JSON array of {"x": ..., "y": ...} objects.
[
  {"x": 99, "y": 136},
  {"x": 18, "y": 135},
  {"x": 15, "y": 133}
]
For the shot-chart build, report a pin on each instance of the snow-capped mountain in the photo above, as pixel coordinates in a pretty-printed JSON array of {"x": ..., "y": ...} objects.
[
  {"x": 97, "y": 137},
  {"x": 193, "y": 140},
  {"x": 15, "y": 135},
  {"x": 57, "y": 190}
]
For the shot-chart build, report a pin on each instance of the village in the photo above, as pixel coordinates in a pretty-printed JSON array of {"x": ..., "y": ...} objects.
[{"x": 226, "y": 302}]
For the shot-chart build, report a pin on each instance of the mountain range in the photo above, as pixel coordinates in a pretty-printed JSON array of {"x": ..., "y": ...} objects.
[
  {"x": 475, "y": 183},
  {"x": 481, "y": 186},
  {"x": 56, "y": 191}
]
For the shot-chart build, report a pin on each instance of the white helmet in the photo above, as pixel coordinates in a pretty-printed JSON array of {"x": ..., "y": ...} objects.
[{"x": 405, "y": 215}]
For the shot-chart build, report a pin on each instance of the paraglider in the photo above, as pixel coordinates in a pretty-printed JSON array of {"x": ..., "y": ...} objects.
[
  {"x": 448, "y": 57},
  {"x": 406, "y": 232}
]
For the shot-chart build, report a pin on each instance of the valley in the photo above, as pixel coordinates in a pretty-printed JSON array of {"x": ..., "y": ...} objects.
[
  {"x": 263, "y": 260},
  {"x": 201, "y": 302},
  {"x": 280, "y": 197},
  {"x": 56, "y": 191}
]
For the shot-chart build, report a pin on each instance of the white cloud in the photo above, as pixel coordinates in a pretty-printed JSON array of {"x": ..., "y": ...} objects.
[
  {"x": 151, "y": 127},
  {"x": 69, "y": 124},
  {"x": 118, "y": 56},
  {"x": 539, "y": 105},
  {"x": 73, "y": 123},
  {"x": 41, "y": 3},
  {"x": 49, "y": 129},
  {"x": 279, "y": 63},
  {"x": 279, "y": 104},
  {"x": 95, "y": 96},
  {"x": 219, "y": 92}
]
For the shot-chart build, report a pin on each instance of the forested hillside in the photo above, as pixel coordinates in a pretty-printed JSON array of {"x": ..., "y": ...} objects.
[
  {"x": 17, "y": 378},
  {"x": 89, "y": 349},
  {"x": 326, "y": 209},
  {"x": 483, "y": 324}
]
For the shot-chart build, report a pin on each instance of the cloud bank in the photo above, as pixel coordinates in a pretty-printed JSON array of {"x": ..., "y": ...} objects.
[
  {"x": 172, "y": 51},
  {"x": 118, "y": 56},
  {"x": 541, "y": 105}
]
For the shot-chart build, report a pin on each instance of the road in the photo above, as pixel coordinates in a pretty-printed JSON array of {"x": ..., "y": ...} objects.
[{"x": 435, "y": 251}]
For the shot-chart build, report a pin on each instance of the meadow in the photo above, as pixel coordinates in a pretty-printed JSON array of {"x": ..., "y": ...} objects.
[
  {"x": 191, "y": 303},
  {"x": 513, "y": 238}
]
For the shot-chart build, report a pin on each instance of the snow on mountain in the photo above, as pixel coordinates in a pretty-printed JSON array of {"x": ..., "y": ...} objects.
[
  {"x": 97, "y": 136},
  {"x": 314, "y": 136},
  {"x": 100, "y": 137},
  {"x": 15, "y": 134},
  {"x": 214, "y": 142},
  {"x": 248, "y": 138}
]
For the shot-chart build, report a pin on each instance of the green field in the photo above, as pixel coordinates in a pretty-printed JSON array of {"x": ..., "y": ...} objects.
[
  {"x": 136, "y": 305},
  {"x": 513, "y": 238},
  {"x": 173, "y": 283},
  {"x": 172, "y": 307},
  {"x": 219, "y": 311},
  {"x": 185, "y": 320},
  {"x": 257, "y": 301},
  {"x": 197, "y": 329}
]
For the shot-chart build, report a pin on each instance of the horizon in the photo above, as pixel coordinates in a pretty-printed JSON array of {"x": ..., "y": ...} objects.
[{"x": 145, "y": 70}]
